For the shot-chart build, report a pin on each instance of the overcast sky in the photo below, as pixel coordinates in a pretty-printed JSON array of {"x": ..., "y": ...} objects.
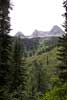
[{"x": 28, "y": 15}]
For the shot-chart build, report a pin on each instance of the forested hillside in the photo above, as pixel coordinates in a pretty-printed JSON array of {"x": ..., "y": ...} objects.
[{"x": 32, "y": 68}]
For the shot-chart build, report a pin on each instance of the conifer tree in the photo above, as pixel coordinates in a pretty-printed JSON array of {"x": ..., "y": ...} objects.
[
  {"x": 36, "y": 80},
  {"x": 19, "y": 71},
  {"x": 63, "y": 49},
  {"x": 5, "y": 47},
  {"x": 40, "y": 77}
]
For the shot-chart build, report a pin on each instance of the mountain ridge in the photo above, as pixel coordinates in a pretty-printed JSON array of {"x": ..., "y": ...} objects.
[{"x": 56, "y": 31}]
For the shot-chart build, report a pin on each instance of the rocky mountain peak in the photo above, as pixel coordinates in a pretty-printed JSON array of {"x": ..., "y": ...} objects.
[{"x": 56, "y": 30}]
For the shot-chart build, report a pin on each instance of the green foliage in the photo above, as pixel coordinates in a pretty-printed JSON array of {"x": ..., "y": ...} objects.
[
  {"x": 28, "y": 69},
  {"x": 37, "y": 83},
  {"x": 18, "y": 72},
  {"x": 57, "y": 93},
  {"x": 49, "y": 77},
  {"x": 62, "y": 55},
  {"x": 5, "y": 49}
]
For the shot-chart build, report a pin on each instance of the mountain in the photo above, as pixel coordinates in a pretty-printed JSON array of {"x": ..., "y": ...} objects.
[
  {"x": 37, "y": 33},
  {"x": 55, "y": 31},
  {"x": 40, "y": 41},
  {"x": 20, "y": 34}
]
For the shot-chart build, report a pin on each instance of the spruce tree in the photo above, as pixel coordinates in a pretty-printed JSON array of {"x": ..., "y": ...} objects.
[
  {"x": 5, "y": 47},
  {"x": 62, "y": 56},
  {"x": 40, "y": 77},
  {"x": 19, "y": 71},
  {"x": 36, "y": 80}
]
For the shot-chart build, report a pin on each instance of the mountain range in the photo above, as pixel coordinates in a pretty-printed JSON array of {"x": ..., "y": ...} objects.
[{"x": 56, "y": 31}]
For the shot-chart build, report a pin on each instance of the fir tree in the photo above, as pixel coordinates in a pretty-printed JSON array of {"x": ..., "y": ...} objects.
[
  {"x": 36, "y": 80},
  {"x": 5, "y": 47},
  {"x": 63, "y": 49},
  {"x": 19, "y": 71}
]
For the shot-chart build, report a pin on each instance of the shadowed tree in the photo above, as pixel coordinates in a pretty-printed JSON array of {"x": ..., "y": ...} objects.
[
  {"x": 19, "y": 71},
  {"x": 62, "y": 55},
  {"x": 5, "y": 48}
]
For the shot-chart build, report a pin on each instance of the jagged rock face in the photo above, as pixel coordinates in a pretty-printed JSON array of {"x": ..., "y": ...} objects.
[
  {"x": 37, "y": 33},
  {"x": 55, "y": 31}
]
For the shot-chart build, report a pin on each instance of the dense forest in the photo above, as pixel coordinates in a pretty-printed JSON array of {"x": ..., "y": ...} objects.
[{"x": 31, "y": 69}]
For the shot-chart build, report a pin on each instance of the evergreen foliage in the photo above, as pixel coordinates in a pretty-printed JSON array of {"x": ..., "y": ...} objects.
[
  {"x": 5, "y": 48},
  {"x": 62, "y": 55},
  {"x": 57, "y": 93},
  {"x": 19, "y": 71},
  {"x": 27, "y": 67}
]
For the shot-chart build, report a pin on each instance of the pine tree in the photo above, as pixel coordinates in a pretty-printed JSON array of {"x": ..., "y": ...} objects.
[
  {"x": 5, "y": 47},
  {"x": 36, "y": 80},
  {"x": 63, "y": 49},
  {"x": 40, "y": 77},
  {"x": 19, "y": 71},
  {"x": 31, "y": 86}
]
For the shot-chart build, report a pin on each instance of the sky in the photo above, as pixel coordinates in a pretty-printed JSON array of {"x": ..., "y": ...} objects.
[{"x": 28, "y": 15}]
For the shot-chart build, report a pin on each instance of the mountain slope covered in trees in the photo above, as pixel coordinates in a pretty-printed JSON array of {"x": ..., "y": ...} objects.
[{"x": 32, "y": 68}]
